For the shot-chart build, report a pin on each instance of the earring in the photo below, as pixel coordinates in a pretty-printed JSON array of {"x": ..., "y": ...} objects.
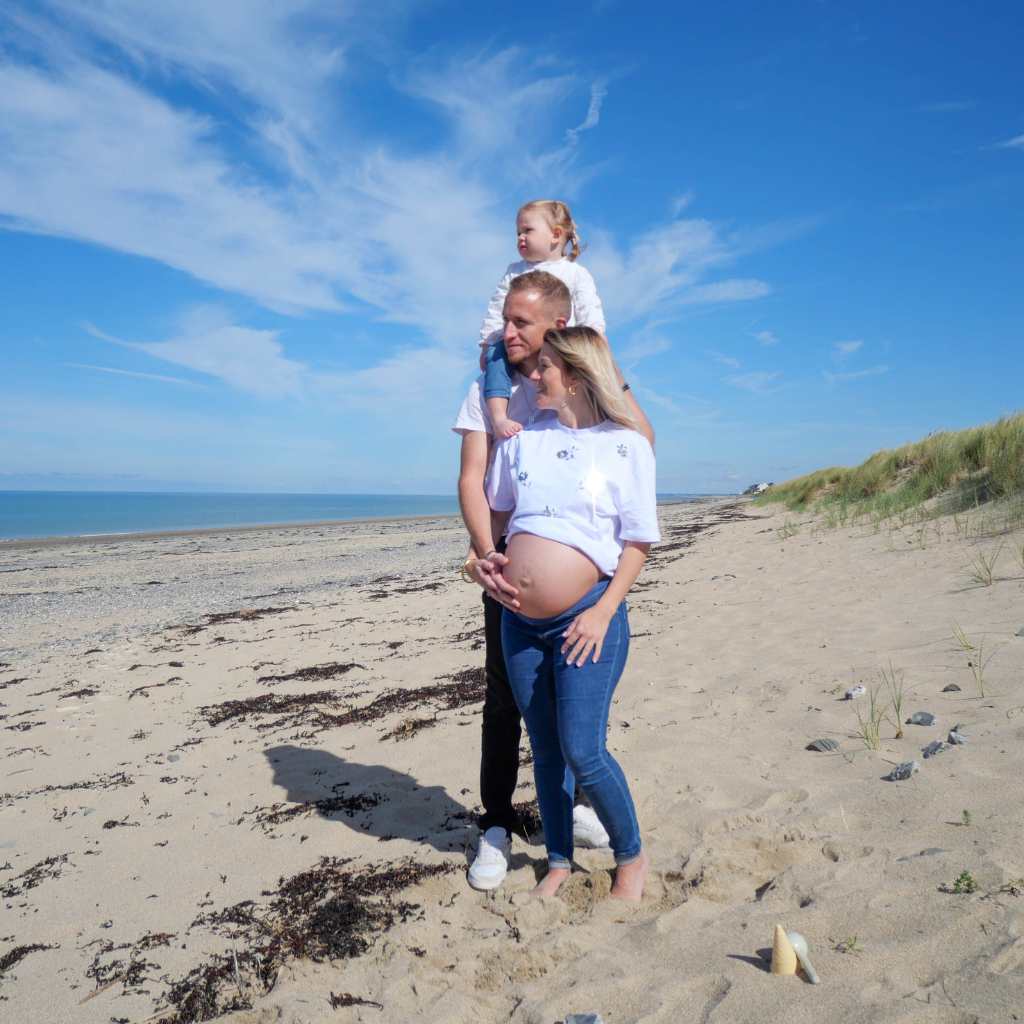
[{"x": 572, "y": 390}]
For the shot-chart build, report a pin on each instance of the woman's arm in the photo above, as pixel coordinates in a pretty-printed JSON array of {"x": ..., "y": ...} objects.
[{"x": 585, "y": 636}]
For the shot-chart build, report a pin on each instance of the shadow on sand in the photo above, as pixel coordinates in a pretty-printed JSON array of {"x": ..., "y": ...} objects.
[{"x": 394, "y": 804}]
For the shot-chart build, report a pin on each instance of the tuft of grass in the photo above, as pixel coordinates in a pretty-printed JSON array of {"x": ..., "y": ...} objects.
[
  {"x": 892, "y": 680},
  {"x": 1014, "y": 887},
  {"x": 869, "y": 727},
  {"x": 848, "y": 945},
  {"x": 967, "y": 467},
  {"x": 981, "y": 569},
  {"x": 961, "y": 639},
  {"x": 977, "y": 664}
]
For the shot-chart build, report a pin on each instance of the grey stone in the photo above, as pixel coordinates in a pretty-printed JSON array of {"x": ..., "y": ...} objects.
[
  {"x": 951, "y": 688},
  {"x": 856, "y": 691},
  {"x": 584, "y": 1018},
  {"x": 1020, "y": 632},
  {"x": 956, "y": 736},
  {"x": 903, "y": 771},
  {"x": 933, "y": 748},
  {"x": 174, "y": 757},
  {"x": 822, "y": 746},
  {"x": 921, "y": 718}
]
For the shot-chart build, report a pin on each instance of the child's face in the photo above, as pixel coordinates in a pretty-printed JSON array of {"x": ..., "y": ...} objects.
[{"x": 536, "y": 239}]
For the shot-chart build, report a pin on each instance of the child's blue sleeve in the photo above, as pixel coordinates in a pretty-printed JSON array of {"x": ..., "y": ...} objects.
[{"x": 498, "y": 372}]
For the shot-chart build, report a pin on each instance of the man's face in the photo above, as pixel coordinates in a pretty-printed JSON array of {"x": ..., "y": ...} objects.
[{"x": 527, "y": 317}]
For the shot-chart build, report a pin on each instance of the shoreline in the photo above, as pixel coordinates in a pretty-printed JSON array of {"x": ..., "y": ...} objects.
[{"x": 63, "y": 540}]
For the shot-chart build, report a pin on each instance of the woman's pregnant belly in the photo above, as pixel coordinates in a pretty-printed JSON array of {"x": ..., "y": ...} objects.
[{"x": 550, "y": 576}]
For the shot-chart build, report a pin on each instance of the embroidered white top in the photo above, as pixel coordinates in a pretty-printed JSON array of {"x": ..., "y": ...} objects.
[
  {"x": 586, "y": 303},
  {"x": 593, "y": 489}
]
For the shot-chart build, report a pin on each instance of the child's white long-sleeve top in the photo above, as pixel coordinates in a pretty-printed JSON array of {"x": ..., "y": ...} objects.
[
  {"x": 592, "y": 489},
  {"x": 586, "y": 303}
]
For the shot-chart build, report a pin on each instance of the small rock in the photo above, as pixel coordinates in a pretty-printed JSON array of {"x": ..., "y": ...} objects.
[
  {"x": 856, "y": 691},
  {"x": 930, "y": 852},
  {"x": 951, "y": 688},
  {"x": 584, "y": 1018},
  {"x": 956, "y": 736},
  {"x": 822, "y": 746},
  {"x": 921, "y": 718},
  {"x": 933, "y": 748},
  {"x": 903, "y": 771},
  {"x": 174, "y": 757},
  {"x": 1020, "y": 632}
]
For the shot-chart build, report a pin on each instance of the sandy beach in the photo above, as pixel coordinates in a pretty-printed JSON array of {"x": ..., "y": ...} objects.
[{"x": 239, "y": 777}]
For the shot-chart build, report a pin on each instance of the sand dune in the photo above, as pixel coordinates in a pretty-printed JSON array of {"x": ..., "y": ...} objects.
[{"x": 269, "y": 758}]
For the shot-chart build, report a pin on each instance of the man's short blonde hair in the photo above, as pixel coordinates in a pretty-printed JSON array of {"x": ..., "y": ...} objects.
[{"x": 552, "y": 291}]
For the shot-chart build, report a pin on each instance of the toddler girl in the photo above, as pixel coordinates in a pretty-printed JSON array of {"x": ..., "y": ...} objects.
[{"x": 544, "y": 230}]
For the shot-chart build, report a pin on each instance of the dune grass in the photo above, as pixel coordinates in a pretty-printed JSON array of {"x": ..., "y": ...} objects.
[{"x": 963, "y": 468}]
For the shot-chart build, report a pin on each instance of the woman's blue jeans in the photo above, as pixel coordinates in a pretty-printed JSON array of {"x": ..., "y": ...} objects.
[{"x": 565, "y": 709}]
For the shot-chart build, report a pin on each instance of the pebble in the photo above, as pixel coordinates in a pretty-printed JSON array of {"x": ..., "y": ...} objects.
[
  {"x": 856, "y": 691},
  {"x": 822, "y": 746},
  {"x": 933, "y": 748},
  {"x": 951, "y": 688},
  {"x": 921, "y": 718},
  {"x": 1020, "y": 632},
  {"x": 956, "y": 737},
  {"x": 584, "y": 1018},
  {"x": 903, "y": 771}
]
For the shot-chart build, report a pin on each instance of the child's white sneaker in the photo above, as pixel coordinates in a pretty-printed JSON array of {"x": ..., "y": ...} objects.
[
  {"x": 587, "y": 830},
  {"x": 490, "y": 865}
]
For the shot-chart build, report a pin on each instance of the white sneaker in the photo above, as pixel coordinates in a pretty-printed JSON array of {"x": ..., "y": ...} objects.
[
  {"x": 490, "y": 865},
  {"x": 587, "y": 830}
]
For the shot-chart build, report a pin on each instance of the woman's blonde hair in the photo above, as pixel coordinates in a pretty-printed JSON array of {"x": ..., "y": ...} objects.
[
  {"x": 558, "y": 215},
  {"x": 589, "y": 359}
]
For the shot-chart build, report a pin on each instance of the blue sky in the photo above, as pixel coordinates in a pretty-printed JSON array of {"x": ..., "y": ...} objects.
[{"x": 248, "y": 245}]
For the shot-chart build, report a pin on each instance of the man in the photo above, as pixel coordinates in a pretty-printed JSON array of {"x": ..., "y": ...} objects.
[{"x": 536, "y": 302}]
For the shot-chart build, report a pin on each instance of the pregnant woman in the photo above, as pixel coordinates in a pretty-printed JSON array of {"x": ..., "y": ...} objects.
[{"x": 579, "y": 484}]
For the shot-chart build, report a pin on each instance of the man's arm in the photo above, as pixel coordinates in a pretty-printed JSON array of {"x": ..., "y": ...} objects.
[
  {"x": 643, "y": 424},
  {"x": 476, "y": 513}
]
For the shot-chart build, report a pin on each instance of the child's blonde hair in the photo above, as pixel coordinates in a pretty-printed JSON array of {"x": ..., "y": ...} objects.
[
  {"x": 589, "y": 359},
  {"x": 558, "y": 215}
]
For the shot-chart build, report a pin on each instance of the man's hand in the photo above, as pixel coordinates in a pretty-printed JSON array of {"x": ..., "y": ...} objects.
[{"x": 487, "y": 572}]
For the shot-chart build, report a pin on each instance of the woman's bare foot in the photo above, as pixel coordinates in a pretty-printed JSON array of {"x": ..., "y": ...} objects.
[
  {"x": 551, "y": 882},
  {"x": 630, "y": 878}
]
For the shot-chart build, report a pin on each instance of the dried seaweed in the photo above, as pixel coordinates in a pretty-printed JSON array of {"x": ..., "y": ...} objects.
[
  {"x": 112, "y": 781},
  {"x": 347, "y": 999},
  {"x": 86, "y": 691},
  {"x": 329, "y": 912},
  {"x": 33, "y": 876},
  {"x": 318, "y": 672},
  {"x": 13, "y": 682},
  {"x": 242, "y": 615},
  {"x": 276, "y": 814},
  {"x": 16, "y": 955}
]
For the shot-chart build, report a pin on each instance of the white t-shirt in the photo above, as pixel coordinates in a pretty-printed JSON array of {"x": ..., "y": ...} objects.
[
  {"x": 586, "y": 303},
  {"x": 473, "y": 414},
  {"x": 592, "y": 489}
]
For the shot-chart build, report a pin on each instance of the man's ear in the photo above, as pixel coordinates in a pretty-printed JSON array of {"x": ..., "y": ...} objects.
[{"x": 560, "y": 323}]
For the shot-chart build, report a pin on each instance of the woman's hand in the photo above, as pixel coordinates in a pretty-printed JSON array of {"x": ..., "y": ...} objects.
[
  {"x": 487, "y": 572},
  {"x": 585, "y": 635}
]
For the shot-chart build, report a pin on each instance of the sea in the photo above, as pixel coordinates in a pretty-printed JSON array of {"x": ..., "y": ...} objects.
[{"x": 35, "y": 514}]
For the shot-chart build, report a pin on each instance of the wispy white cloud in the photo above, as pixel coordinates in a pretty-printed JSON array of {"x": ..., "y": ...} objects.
[
  {"x": 598, "y": 91},
  {"x": 1017, "y": 142},
  {"x": 249, "y": 360},
  {"x": 947, "y": 107},
  {"x": 845, "y": 349},
  {"x": 766, "y": 338},
  {"x": 681, "y": 202},
  {"x": 643, "y": 346},
  {"x": 725, "y": 360},
  {"x": 759, "y": 382},
  {"x": 839, "y": 378},
  {"x": 136, "y": 373}
]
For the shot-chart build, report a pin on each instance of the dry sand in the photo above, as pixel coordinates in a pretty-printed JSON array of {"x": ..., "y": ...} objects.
[{"x": 158, "y": 823}]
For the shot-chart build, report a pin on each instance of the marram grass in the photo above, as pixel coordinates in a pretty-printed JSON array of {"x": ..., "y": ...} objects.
[{"x": 966, "y": 467}]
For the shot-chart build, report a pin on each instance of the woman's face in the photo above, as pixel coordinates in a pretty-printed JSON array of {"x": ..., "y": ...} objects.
[{"x": 552, "y": 379}]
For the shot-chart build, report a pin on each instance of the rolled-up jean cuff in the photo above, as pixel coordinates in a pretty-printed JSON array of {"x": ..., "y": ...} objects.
[
  {"x": 558, "y": 862},
  {"x": 621, "y": 862}
]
